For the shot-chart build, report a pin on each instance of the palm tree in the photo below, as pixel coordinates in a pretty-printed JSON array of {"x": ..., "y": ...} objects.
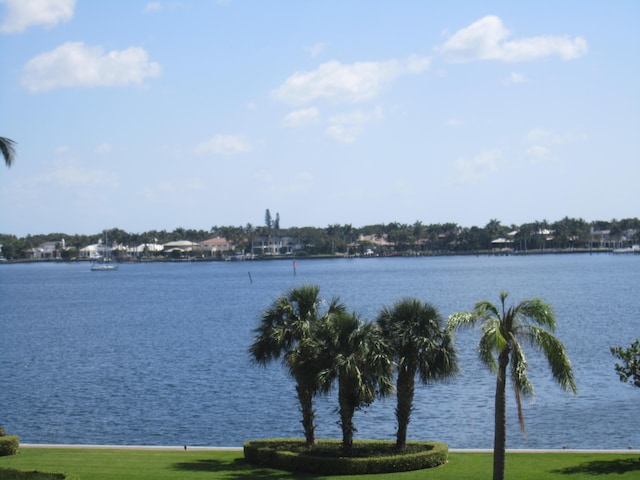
[
  {"x": 285, "y": 331},
  {"x": 8, "y": 148},
  {"x": 420, "y": 344},
  {"x": 504, "y": 331},
  {"x": 355, "y": 355}
]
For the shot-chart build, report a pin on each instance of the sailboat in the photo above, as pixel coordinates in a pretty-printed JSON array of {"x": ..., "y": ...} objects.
[{"x": 105, "y": 263}]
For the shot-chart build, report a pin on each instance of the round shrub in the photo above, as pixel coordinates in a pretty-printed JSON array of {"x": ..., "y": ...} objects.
[
  {"x": 9, "y": 445},
  {"x": 327, "y": 458}
]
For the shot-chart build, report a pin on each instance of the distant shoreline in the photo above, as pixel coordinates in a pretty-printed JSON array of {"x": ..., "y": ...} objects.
[{"x": 482, "y": 253}]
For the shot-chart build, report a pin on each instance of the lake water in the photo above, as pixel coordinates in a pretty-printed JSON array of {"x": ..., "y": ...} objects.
[{"x": 156, "y": 353}]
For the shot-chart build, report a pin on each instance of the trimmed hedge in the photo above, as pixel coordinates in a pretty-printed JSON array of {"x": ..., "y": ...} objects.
[
  {"x": 326, "y": 458},
  {"x": 9, "y": 445},
  {"x": 12, "y": 474}
]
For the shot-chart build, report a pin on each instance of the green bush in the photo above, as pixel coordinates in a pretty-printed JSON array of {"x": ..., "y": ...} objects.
[
  {"x": 9, "y": 445},
  {"x": 326, "y": 458},
  {"x": 11, "y": 474}
]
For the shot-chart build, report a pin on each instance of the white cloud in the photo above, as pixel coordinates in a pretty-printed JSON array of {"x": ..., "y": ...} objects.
[
  {"x": 74, "y": 64},
  {"x": 337, "y": 82},
  {"x": 263, "y": 176},
  {"x": 62, "y": 150},
  {"x": 316, "y": 49},
  {"x": 223, "y": 145},
  {"x": 153, "y": 7},
  {"x": 71, "y": 174},
  {"x": 65, "y": 177},
  {"x": 539, "y": 154},
  {"x": 300, "y": 183},
  {"x": 477, "y": 168},
  {"x": 487, "y": 39},
  {"x": 279, "y": 185},
  {"x": 515, "y": 78},
  {"x": 103, "y": 148},
  {"x": 345, "y": 128},
  {"x": 540, "y": 135},
  {"x": 301, "y": 118},
  {"x": 166, "y": 191},
  {"x": 540, "y": 142},
  {"x": 453, "y": 122},
  {"x": 182, "y": 186},
  {"x": 344, "y": 133},
  {"x": 21, "y": 14},
  {"x": 401, "y": 188}
]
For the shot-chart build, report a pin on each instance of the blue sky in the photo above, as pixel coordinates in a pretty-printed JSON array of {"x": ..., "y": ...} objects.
[{"x": 156, "y": 115}]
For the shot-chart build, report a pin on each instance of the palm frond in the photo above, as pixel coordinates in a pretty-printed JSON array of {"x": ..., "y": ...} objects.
[
  {"x": 461, "y": 320},
  {"x": 491, "y": 342},
  {"x": 485, "y": 309},
  {"x": 522, "y": 387},
  {"x": 336, "y": 307},
  {"x": 556, "y": 355},
  {"x": 539, "y": 312},
  {"x": 520, "y": 413},
  {"x": 8, "y": 149},
  {"x": 519, "y": 377}
]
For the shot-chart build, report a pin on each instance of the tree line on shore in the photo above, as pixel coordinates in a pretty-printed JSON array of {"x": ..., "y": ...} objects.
[{"x": 390, "y": 238}]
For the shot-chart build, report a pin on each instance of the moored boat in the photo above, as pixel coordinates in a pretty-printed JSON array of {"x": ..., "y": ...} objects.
[
  {"x": 632, "y": 249},
  {"x": 104, "y": 265}
]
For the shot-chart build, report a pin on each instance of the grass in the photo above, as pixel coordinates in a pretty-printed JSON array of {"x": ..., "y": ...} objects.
[{"x": 111, "y": 464}]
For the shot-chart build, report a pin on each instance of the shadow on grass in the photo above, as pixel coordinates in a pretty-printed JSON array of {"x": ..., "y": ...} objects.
[
  {"x": 603, "y": 467},
  {"x": 237, "y": 469}
]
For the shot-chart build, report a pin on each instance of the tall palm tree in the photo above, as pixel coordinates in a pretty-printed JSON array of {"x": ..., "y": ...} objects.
[
  {"x": 504, "y": 331},
  {"x": 285, "y": 331},
  {"x": 8, "y": 148},
  {"x": 355, "y": 355},
  {"x": 420, "y": 344}
]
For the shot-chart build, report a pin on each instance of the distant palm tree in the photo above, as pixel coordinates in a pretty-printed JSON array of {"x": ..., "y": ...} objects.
[
  {"x": 285, "y": 331},
  {"x": 355, "y": 355},
  {"x": 504, "y": 330},
  {"x": 8, "y": 148},
  {"x": 420, "y": 344}
]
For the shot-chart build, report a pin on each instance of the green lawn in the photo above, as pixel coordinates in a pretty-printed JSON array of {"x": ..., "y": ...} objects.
[{"x": 116, "y": 464}]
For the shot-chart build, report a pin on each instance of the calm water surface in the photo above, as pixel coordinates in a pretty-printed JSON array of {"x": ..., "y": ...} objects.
[{"x": 156, "y": 354}]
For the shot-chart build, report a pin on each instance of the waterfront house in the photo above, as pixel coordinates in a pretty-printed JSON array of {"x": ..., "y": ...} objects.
[
  {"x": 45, "y": 250},
  {"x": 146, "y": 248},
  {"x": 217, "y": 246},
  {"x": 274, "y": 245}
]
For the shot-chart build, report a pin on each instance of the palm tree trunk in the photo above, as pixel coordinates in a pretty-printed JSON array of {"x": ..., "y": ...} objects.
[
  {"x": 346, "y": 422},
  {"x": 347, "y": 410},
  {"x": 500, "y": 432},
  {"x": 305, "y": 397},
  {"x": 405, "y": 392}
]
